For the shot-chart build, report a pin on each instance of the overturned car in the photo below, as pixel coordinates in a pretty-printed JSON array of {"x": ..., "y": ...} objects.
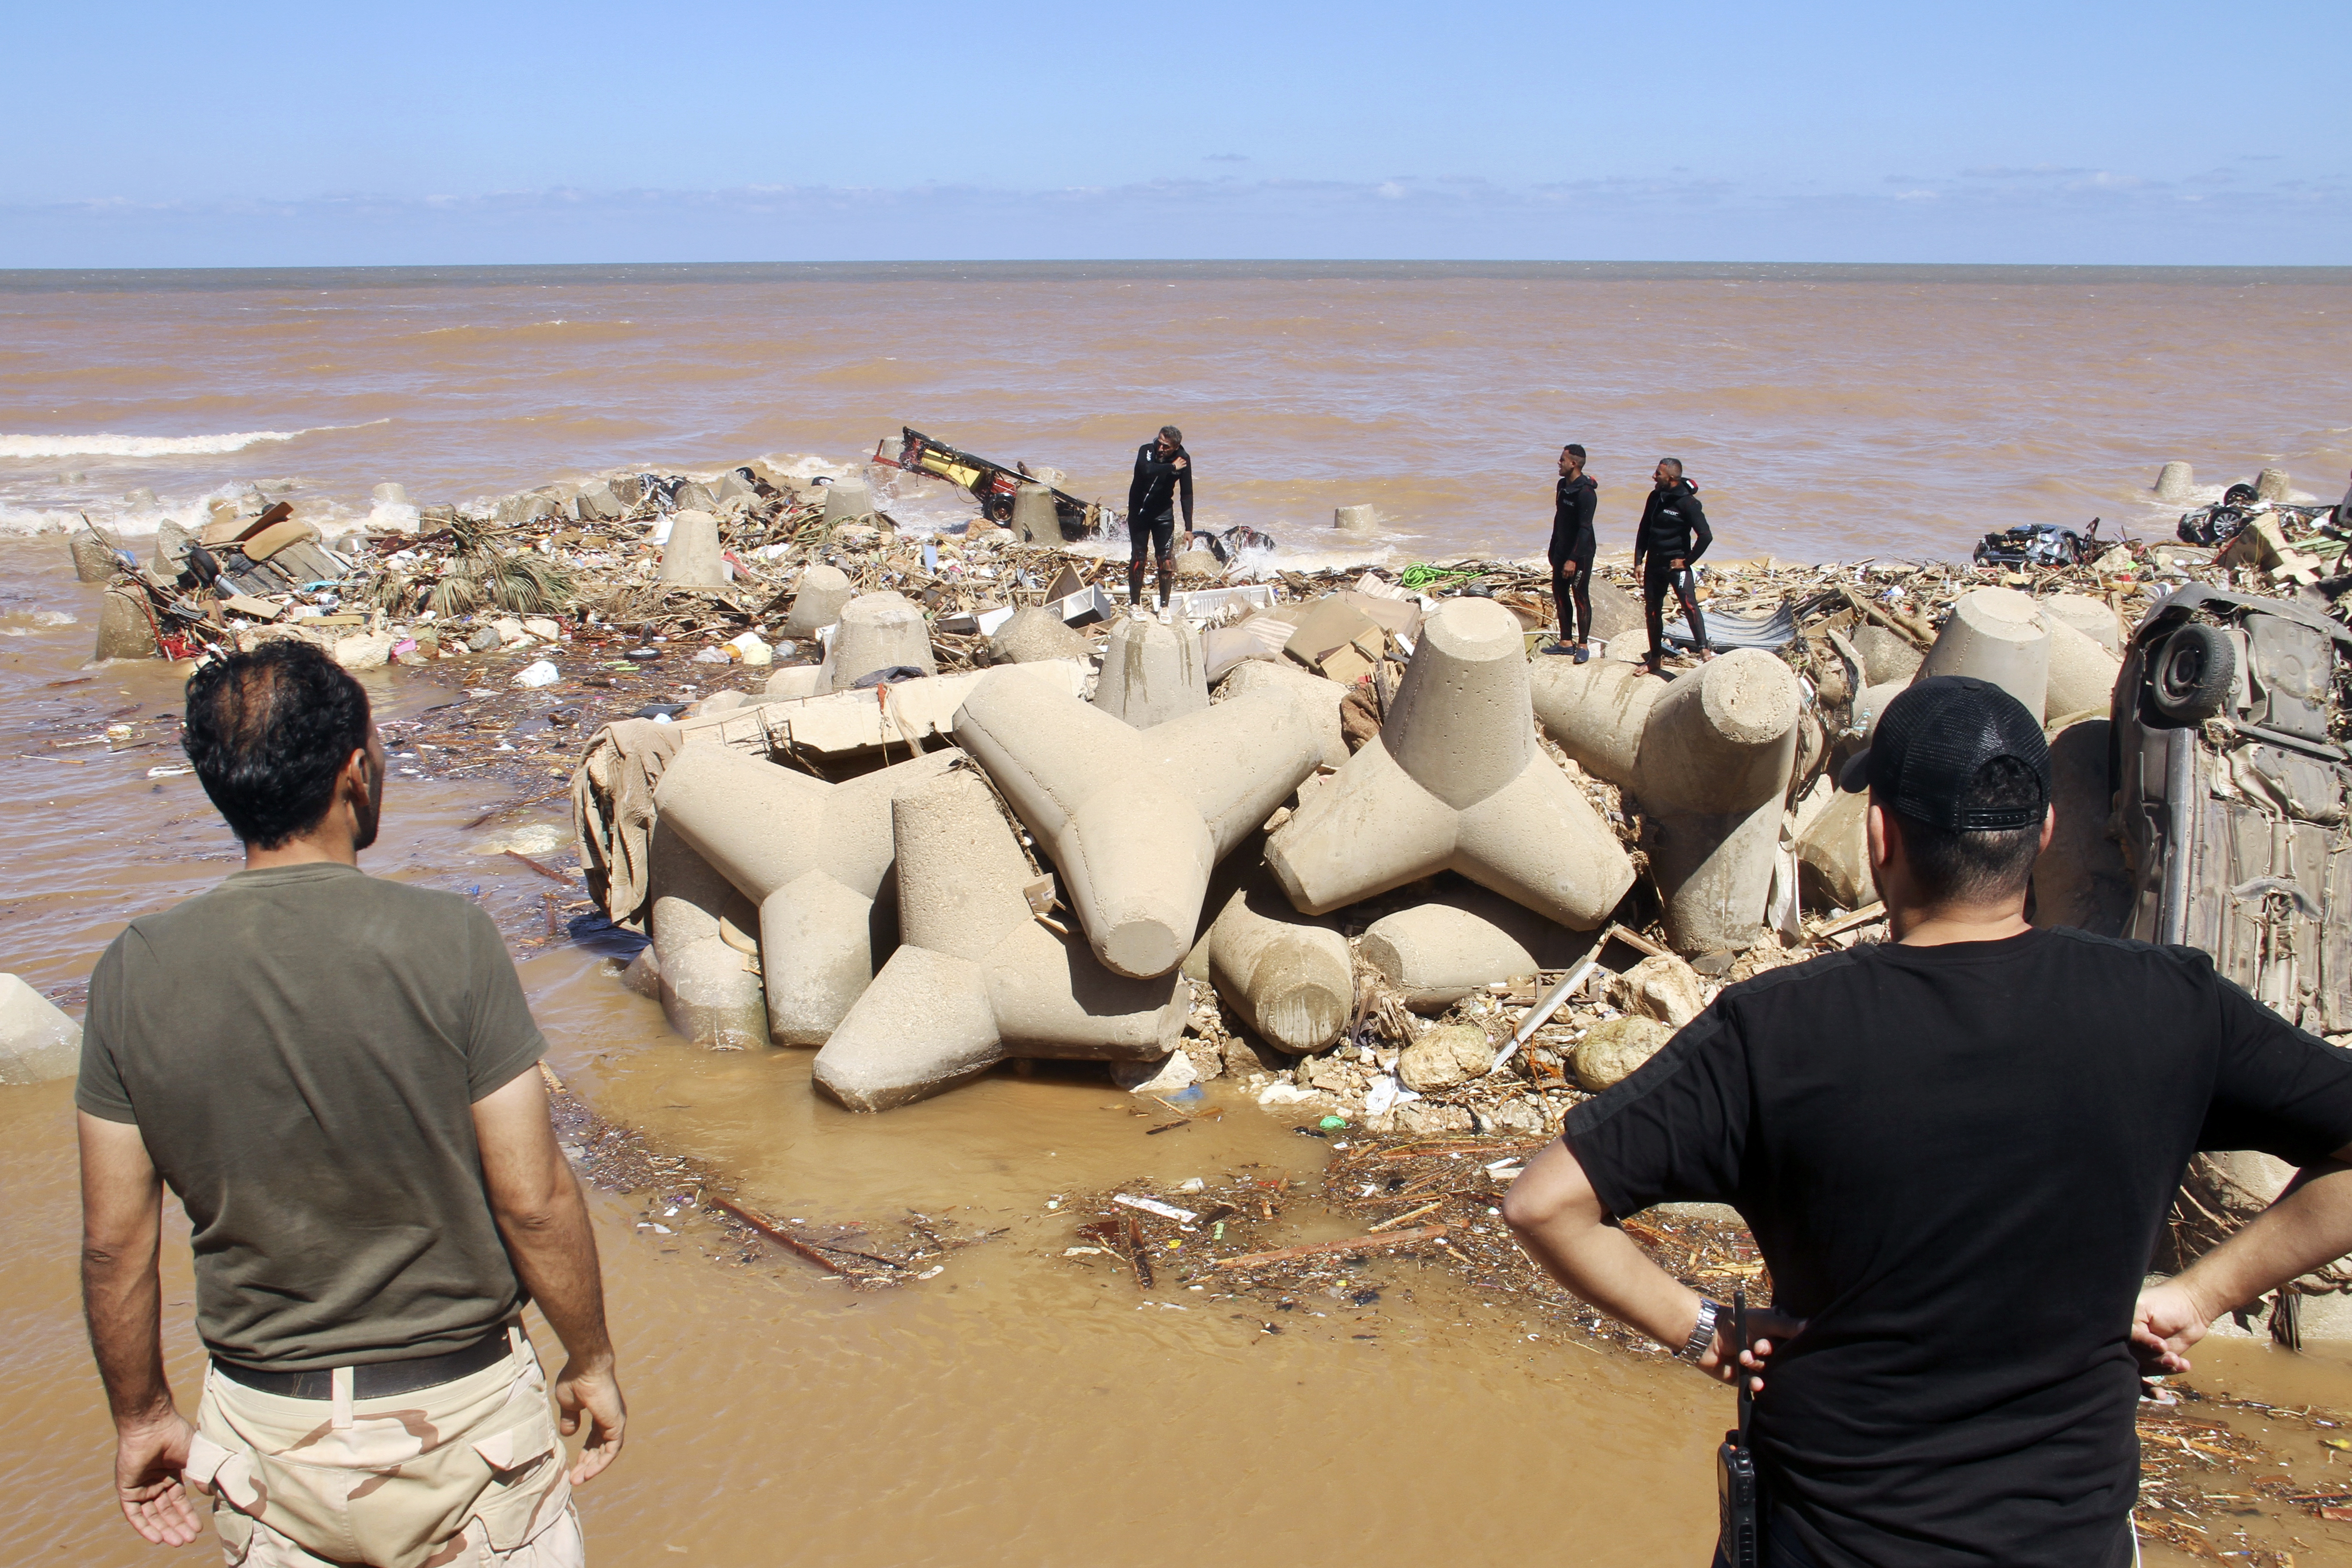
[{"x": 2230, "y": 795}]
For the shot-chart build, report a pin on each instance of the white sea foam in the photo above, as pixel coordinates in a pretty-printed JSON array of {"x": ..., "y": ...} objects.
[{"x": 36, "y": 447}]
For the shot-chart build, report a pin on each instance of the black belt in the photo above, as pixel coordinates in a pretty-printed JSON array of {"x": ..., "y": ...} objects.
[{"x": 378, "y": 1379}]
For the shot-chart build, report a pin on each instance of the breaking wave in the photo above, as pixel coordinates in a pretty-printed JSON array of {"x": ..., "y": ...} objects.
[{"x": 107, "y": 445}]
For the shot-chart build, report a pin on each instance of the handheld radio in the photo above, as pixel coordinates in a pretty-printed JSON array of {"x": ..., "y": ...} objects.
[{"x": 1735, "y": 1467}]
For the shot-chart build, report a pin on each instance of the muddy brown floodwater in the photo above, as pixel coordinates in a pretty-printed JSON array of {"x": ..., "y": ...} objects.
[{"x": 1019, "y": 1407}]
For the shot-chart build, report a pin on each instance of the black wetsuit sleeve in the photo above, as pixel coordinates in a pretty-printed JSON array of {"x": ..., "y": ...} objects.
[
  {"x": 1138, "y": 487},
  {"x": 1184, "y": 486},
  {"x": 1701, "y": 534}
]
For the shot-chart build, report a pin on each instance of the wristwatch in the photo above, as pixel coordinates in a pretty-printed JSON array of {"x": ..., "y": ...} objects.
[{"x": 1702, "y": 1332}]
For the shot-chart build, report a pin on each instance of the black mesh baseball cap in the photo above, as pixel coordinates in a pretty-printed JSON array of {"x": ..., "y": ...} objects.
[{"x": 1927, "y": 748}]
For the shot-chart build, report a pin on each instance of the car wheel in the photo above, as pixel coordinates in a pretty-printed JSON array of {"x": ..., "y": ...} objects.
[{"x": 2195, "y": 671}]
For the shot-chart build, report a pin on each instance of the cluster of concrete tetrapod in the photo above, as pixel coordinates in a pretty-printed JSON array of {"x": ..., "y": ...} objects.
[{"x": 904, "y": 922}]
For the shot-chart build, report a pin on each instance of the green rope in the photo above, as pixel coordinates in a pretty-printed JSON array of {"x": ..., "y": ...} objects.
[{"x": 1422, "y": 575}]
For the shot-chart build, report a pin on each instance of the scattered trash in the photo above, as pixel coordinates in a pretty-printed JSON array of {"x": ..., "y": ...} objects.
[{"x": 541, "y": 672}]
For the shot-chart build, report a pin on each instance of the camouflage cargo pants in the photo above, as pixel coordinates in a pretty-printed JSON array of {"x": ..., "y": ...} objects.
[{"x": 465, "y": 1475}]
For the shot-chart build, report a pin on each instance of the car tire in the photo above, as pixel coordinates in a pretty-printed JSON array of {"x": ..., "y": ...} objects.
[{"x": 2195, "y": 671}]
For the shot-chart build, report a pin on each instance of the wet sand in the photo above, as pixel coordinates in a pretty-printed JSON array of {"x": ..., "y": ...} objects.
[{"x": 1020, "y": 1407}]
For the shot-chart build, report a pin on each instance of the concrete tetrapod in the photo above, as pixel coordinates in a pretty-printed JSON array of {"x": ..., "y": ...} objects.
[
  {"x": 692, "y": 558},
  {"x": 1708, "y": 757},
  {"x": 702, "y": 945},
  {"x": 848, "y": 500},
  {"x": 1996, "y": 634},
  {"x": 1455, "y": 780},
  {"x": 1321, "y": 695},
  {"x": 1151, "y": 673},
  {"x": 878, "y": 631},
  {"x": 39, "y": 1042},
  {"x": 1136, "y": 819},
  {"x": 1440, "y": 951},
  {"x": 817, "y": 602},
  {"x": 976, "y": 978},
  {"x": 815, "y": 858},
  {"x": 1291, "y": 979}
]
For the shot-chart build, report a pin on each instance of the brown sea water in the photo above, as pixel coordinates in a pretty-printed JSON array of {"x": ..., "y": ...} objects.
[
  {"x": 1022, "y": 1408},
  {"x": 1827, "y": 413}
]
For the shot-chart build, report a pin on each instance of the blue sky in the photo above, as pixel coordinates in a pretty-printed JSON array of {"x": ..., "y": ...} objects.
[{"x": 275, "y": 134}]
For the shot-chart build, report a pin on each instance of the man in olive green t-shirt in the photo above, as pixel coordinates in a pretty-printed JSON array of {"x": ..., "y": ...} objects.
[{"x": 336, "y": 1076}]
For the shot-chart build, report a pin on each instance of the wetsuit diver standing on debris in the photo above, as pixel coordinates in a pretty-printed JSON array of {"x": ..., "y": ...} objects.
[
  {"x": 1673, "y": 534},
  {"x": 1163, "y": 475},
  {"x": 1571, "y": 548}
]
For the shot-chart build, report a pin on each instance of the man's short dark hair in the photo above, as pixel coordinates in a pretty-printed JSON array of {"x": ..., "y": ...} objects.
[
  {"x": 1673, "y": 463},
  {"x": 268, "y": 730},
  {"x": 1175, "y": 436},
  {"x": 1573, "y": 451},
  {"x": 1952, "y": 866}
]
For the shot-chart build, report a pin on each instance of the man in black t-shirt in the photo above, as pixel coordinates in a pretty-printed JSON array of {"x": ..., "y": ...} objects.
[{"x": 1955, "y": 1150}]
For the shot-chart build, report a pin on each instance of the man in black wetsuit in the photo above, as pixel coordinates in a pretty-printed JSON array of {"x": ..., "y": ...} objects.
[
  {"x": 1673, "y": 534},
  {"x": 1571, "y": 550},
  {"x": 1163, "y": 475}
]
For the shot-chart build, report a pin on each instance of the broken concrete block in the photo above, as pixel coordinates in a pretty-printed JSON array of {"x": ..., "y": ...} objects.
[
  {"x": 692, "y": 558},
  {"x": 94, "y": 560},
  {"x": 1032, "y": 633},
  {"x": 879, "y": 631},
  {"x": 1833, "y": 855},
  {"x": 1198, "y": 564},
  {"x": 2081, "y": 880},
  {"x": 1440, "y": 951},
  {"x": 39, "y": 1043},
  {"x": 1290, "y": 978},
  {"x": 643, "y": 974},
  {"x": 976, "y": 979},
  {"x": 1661, "y": 986},
  {"x": 733, "y": 485},
  {"x": 1165, "y": 1076},
  {"x": 2082, "y": 673},
  {"x": 1445, "y": 1057},
  {"x": 817, "y": 602},
  {"x": 364, "y": 650},
  {"x": 1355, "y": 519},
  {"x": 1331, "y": 624},
  {"x": 1034, "y": 521},
  {"x": 1886, "y": 656},
  {"x": 815, "y": 858},
  {"x": 1259, "y": 637},
  {"x": 694, "y": 496},
  {"x": 1611, "y": 1050},
  {"x": 704, "y": 947},
  {"x": 598, "y": 504},
  {"x": 1456, "y": 781},
  {"x": 1150, "y": 673},
  {"x": 2176, "y": 483},
  {"x": 1322, "y": 696},
  {"x": 1708, "y": 757},
  {"x": 1136, "y": 819},
  {"x": 125, "y": 629},
  {"x": 1996, "y": 634},
  {"x": 796, "y": 680},
  {"x": 856, "y": 725},
  {"x": 2094, "y": 619},
  {"x": 847, "y": 500},
  {"x": 1617, "y": 620},
  {"x": 2272, "y": 485}
]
